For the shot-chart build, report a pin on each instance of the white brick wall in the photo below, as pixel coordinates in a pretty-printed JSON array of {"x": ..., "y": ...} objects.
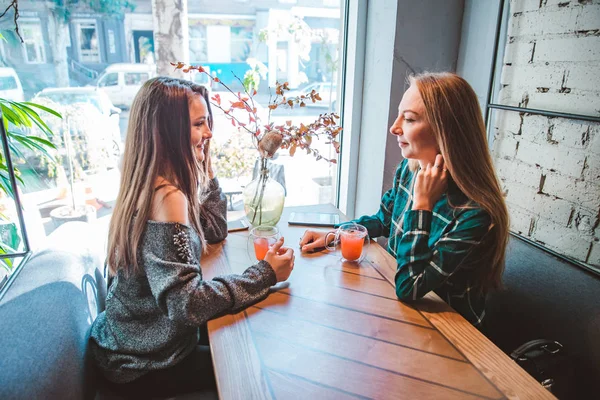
[
  {"x": 568, "y": 49},
  {"x": 580, "y": 192},
  {"x": 550, "y": 167},
  {"x": 567, "y": 161}
]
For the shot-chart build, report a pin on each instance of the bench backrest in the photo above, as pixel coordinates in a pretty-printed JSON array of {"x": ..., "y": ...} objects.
[
  {"x": 547, "y": 298},
  {"x": 46, "y": 315}
]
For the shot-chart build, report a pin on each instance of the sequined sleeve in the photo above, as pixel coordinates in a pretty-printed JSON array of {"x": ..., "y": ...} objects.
[
  {"x": 171, "y": 255},
  {"x": 213, "y": 213}
]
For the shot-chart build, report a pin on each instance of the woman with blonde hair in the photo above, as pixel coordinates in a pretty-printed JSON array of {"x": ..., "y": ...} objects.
[
  {"x": 169, "y": 206},
  {"x": 445, "y": 215}
]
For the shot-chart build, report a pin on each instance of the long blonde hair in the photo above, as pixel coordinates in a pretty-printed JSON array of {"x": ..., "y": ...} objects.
[
  {"x": 453, "y": 112},
  {"x": 158, "y": 143}
]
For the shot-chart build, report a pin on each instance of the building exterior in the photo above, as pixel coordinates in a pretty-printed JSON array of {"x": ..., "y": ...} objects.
[
  {"x": 296, "y": 40},
  {"x": 93, "y": 41}
]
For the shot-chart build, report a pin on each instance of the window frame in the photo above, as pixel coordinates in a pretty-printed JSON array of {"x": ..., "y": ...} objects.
[
  {"x": 78, "y": 26},
  {"x": 39, "y": 45}
]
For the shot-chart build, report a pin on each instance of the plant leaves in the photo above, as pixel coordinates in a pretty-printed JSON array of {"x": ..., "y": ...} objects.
[
  {"x": 217, "y": 98},
  {"x": 34, "y": 117},
  {"x": 41, "y": 107}
]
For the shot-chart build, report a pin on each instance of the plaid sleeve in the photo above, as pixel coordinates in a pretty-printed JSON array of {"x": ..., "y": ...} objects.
[{"x": 422, "y": 268}]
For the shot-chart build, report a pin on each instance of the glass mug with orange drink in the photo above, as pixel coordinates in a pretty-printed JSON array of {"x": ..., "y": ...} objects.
[
  {"x": 260, "y": 240},
  {"x": 353, "y": 239}
]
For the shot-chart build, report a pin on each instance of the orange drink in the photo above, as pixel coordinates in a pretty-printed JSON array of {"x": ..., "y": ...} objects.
[
  {"x": 260, "y": 240},
  {"x": 352, "y": 238},
  {"x": 352, "y": 244},
  {"x": 261, "y": 246}
]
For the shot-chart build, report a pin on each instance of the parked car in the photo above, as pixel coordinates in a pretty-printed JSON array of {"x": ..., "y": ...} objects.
[
  {"x": 122, "y": 81},
  {"x": 91, "y": 95},
  {"x": 94, "y": 121},
  {"x": 10, "y": 85},
  {"x": 327, "y": 92}
]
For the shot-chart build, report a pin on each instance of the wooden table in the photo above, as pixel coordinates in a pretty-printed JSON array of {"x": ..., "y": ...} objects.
[{"x": 339, "y": 332}]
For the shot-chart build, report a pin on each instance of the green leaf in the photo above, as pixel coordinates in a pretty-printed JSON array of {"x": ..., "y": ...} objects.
[
  {"x": 23, "y": 119},
  {"x": 7, "y": 263},
  {"x": 41, "y": 107},
  {"x": 43, "y": 141},
  {"x": 36, "y": 143},
  {"x": 5, "y": 184},
  {"x": 36, "y": 118},
  {"x": 14, "y": 116},
  {"x": 32, "y": 115}
]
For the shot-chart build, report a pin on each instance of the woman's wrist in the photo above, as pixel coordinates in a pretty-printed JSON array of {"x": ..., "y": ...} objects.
[{"x": 422, "y": 206}]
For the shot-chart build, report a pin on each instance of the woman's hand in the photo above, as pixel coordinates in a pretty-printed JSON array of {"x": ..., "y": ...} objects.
[
  {"x": 281, "y": 260},
  {"x": 312, "y": 241},
  {"x": 431, "y": 182},
  {"x": 207, "y": 161}
]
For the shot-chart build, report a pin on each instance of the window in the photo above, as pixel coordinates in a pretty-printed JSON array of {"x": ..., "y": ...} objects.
[
  {"x": 198, "y": 47},
  {"x": 87, "y": 37},
  {"x": 254, "y": 40},
  {"x": 33, "y": 43},
  {"x": 135, "y": 78},
  {"x": 241, "y": 43},
  {"x": 223, "y": 40},
  {"x": 111, "y": 79},
  {"x": 8, "y": 83}
]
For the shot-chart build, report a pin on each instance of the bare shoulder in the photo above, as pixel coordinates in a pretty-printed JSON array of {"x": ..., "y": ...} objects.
[{"x": 169, "y": 204}]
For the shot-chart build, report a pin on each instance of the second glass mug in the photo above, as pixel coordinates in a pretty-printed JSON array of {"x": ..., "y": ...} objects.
[
  {"x": 353, "y": 239},
  {"x": 260, "y": 240}
]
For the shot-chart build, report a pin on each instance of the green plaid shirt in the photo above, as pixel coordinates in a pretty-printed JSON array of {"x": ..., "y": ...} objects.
[{"x": 435, "y": 250}]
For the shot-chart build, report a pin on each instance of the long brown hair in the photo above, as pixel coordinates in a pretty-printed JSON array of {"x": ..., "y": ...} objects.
[
  {"x": 452, "y": 110},
  {"x": 158, "y": 144}
]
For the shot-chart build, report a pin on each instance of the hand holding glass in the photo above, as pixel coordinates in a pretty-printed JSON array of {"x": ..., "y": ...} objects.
[{"x": 260, "y": 240}]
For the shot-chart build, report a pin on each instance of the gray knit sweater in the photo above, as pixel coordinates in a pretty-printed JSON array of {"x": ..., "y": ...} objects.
[{"x": 151, "y": 320}]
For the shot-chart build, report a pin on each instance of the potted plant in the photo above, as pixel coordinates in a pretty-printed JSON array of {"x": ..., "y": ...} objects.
[{"x": 264, "y": 197}]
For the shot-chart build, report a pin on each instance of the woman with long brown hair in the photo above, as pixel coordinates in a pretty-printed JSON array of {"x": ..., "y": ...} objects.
[
  {"x": 169, "y": 206},
  {"x": 445, "y": 215}
]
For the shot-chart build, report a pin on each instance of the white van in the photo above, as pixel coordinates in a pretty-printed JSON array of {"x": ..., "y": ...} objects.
[
  {"x": 122, "y": 81},
  {"x": 10, "y": 85}
]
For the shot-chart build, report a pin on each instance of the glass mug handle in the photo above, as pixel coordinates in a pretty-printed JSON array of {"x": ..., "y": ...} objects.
[{"x": 335, "y": 239}]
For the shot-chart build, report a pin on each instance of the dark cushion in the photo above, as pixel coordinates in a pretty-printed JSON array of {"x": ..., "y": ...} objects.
[
  {"x": 46, "y": 315},
  {"x": 547, "y": 298}
]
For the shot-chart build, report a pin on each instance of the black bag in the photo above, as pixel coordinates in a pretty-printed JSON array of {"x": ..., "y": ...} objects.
[{"x": 547, "y": 362}]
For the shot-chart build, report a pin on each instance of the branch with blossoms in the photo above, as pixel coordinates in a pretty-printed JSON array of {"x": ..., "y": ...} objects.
[{"x": 268, "y": 138}]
